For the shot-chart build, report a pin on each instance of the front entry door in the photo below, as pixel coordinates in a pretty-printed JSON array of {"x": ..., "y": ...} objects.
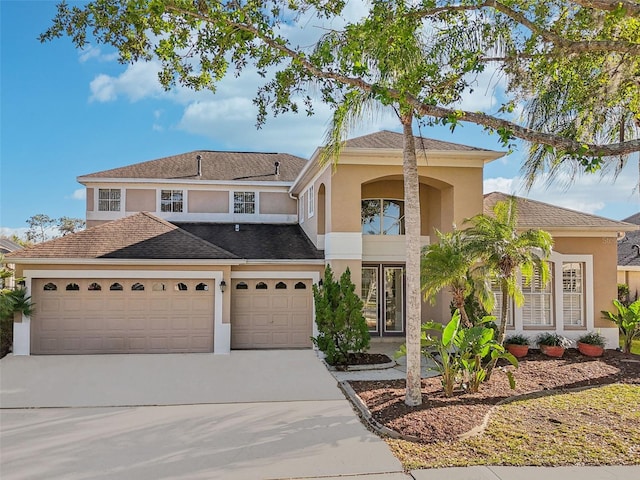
[{"x": 383, "y": 297}]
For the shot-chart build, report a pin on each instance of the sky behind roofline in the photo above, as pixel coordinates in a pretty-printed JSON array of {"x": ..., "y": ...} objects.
[{"x": 67, "y": 113}]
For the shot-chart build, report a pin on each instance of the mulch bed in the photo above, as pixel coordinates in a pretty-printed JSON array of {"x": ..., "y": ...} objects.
[
  {"x": 354, "y": 359},
  {"x": 443, "y": 419}
]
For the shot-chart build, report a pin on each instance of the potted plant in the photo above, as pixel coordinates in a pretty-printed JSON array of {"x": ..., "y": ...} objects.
[
  {"x": 552, "y": 344},
  {"x": 591, "y": 344},
  {"x": 517, "y": 345}
]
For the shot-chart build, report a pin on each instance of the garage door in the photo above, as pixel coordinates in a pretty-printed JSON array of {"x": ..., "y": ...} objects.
[
  {"x": 271, "y": 313},
  {"x": 80, "y": 316}
]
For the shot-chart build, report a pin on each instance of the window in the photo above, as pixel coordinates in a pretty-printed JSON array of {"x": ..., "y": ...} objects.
[
  {"x": 244, "y": 202},
  {"x": 116, "y": 287},
  {"x": 281, "y": 286},
  {"x": 301, "y": 208},
  {"x": 242, "y": 286},
  {"x": 94, "y": 287},
  {"x": 310, "y": 201},
  {"x": 382, "y": 217},
  {"x": 181, "y": 287},
  {"x": 261, "y": 286},
  {"x": 202, "y": 287},
  {"x": 137, "y": 287},
  {"x": 300, "y": 286},
  {"x": 171, "y": 201},
  {"x": 497, "y": 306},
  {"x": 73, "y": 287},
  {"x": 109, "y": 199},
  {"x": 50, "y": 287},
  {"x": 573, "y": 293},
  {"x": 537, "y": 309},
  {"x": 158, "y": 287}
]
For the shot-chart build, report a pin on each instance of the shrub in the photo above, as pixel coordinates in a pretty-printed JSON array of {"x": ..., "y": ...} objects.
[
  {"x": 342, "y": 328},
  {"x": 11, "y": 302},
  {"x": 593, "y": 338},
  {"x": 552, "y": 340},
  {"x": 517, "y": 339}
]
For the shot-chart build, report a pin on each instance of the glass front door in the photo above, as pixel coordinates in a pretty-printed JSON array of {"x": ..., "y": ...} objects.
[{"x": 383, "y": 298}]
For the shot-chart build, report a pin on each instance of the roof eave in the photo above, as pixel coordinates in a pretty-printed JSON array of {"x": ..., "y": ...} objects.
[
  {"x": 129, "y": 180},
  {"x": 125, "y": 261}
]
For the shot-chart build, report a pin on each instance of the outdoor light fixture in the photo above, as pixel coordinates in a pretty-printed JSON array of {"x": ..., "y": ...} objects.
[{"x": 223, "y": 285}]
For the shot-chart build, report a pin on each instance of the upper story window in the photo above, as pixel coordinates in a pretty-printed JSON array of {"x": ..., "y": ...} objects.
[
  {"x": 382, "y": 217},
  {"x": 244, "y": 202},
  {"x": 310, "y": 201},
  {"x": 109, "y": 199},
  {"x": 171, "y": 201}
]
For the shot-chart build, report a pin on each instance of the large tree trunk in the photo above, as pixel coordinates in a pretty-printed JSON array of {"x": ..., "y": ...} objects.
[{"x": 413, "y": 394}]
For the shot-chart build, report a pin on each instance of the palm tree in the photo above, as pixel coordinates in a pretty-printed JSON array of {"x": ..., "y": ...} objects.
[
  {"x": 450, "y": 264},
  {"x": 495, "y": 240}
]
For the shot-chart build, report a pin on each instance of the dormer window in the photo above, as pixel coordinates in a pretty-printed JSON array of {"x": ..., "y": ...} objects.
[
  {"x": 244, "y": 202},
  {"x": 171, "y": 200},
  {"x": 109, "y": 199},
  {"x": 382, "y": 217}
]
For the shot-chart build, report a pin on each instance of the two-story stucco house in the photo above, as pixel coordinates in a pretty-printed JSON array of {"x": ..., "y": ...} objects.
[{"x": 211, "y": 251}]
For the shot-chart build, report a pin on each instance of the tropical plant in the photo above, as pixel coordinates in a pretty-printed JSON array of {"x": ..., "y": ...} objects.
[
  {"x": 517, "y": 339},
  {"x": 505, "y": 251},
  {"x": 448, "y": 263},
  {"x": 628, "y": 321},
  {"x": 552, "y": 339},
  {"x": 459, "y": 354},
  {"x": 342, "y": 328},
  {"x": 593, "y": 338}
]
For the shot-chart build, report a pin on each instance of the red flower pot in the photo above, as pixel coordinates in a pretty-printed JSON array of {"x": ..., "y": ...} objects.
[
  {"x": 518, "y": 351},
  {"x": 555, "y": 351},
  {"x": 590, "y": 350}
]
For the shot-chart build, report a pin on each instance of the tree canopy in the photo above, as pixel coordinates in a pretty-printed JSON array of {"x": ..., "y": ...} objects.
[{"x": 571, "y": 67}]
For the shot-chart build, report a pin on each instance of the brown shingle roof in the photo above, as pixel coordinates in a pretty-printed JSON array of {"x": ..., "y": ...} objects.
[
  {"x": 394, "y": 140},
  {"x": 534, "y": 214},
  {"x": 139, "y": 236},
  {"x": 248, "y": 166}
]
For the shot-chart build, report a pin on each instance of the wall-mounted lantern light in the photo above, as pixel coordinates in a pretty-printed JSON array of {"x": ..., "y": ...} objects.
[{"x": 223, "y": 285}]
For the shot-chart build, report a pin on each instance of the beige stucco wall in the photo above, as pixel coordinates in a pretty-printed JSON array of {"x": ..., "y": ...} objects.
[
  {"x": 274, "y": 202},
  {"x": 207, "y": 201},
  {"x": 90, "y": 200},
  {"x": 140, "y": 200},
  {"x": 605, "y": 258},
  {"x": 458, "y": 190}
]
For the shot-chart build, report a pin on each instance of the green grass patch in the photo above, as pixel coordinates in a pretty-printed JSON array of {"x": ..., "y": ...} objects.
[{"x": 598, "y": 426}]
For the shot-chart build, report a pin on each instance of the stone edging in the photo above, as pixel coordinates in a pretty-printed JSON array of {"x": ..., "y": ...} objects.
[{"x": 360, "y": 368}]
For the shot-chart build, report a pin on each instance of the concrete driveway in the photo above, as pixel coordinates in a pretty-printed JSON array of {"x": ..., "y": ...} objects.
[{"x": 248, "y": 415}]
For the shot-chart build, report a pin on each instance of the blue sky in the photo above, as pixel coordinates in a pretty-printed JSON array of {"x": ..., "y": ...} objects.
[{"x": 66, "y": 113}]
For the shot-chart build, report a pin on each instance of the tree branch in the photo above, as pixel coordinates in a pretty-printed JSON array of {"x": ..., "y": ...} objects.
[{"x": 564, "y": 144}]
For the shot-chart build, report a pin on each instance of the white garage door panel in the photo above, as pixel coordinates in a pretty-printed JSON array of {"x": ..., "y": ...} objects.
[
  {"x": 271, "y": 317},
  {"x": 165, "y": 320}
]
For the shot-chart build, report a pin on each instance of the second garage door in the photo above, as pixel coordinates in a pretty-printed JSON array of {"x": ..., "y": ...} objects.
[
  {"x": 80, "y": 316},
  {"x": 269, "y": 313}
]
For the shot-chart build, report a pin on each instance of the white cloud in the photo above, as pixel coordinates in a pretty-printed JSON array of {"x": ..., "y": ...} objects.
[
  {"x": 596, "y": 194},
  {"x": 78, "y": 194},
  {"x": 19, "y": 232},
  {"x": 138, "y": 81},
  {"x": 93, "y": 52}
]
